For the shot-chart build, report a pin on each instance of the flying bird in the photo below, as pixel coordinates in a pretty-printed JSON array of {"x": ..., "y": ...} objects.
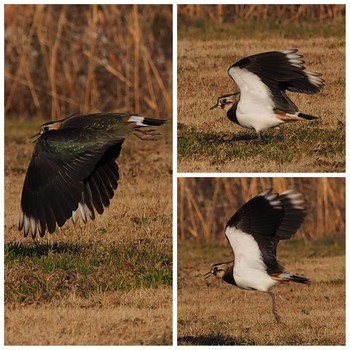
[
  {"x": 263, "y": 80},
  {"x": 254, "y": 232},
  {"x": 73, "y": 171}
]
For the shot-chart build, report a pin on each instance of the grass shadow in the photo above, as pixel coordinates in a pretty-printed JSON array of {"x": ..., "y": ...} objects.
[
  {"x": 211, "y": 339},
  {"x": 20, "y": 250}
]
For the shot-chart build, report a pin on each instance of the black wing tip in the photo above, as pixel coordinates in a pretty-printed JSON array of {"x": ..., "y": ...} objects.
[
  {"x": 154, "y": 122},
  {"x": 300, "y": 279},
  {"x": 289, "y": 200},
  {"x": 307, "y": 116},
  {"x": 144, "y": 121}
]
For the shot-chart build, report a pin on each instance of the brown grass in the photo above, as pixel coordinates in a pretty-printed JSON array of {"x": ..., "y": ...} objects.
[
  {"x": 139, "y": 317},
  {"x": 206, "y": 204},
  {"x": 206, "y": 138},
  {"x": 220, "y": 314},
  {"x": 64, "y": 295}
]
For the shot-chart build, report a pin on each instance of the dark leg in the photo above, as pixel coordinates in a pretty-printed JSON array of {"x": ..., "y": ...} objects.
[
  {"x": 274, "y": 310},
  {"x": 146, "y": 134},
  {"x": 259, "y": 136}
]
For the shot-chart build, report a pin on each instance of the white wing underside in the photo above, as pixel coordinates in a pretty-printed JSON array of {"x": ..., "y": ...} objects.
[
  {"x": 249, "y": 269},
  {"x": 255, "y": 107}
]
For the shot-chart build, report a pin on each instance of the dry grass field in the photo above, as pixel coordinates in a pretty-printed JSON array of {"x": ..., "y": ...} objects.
[
  {"x": 220, "y": 314},
  {"x": 207, "y": 140},
  {"x": 108, "y": 282}
]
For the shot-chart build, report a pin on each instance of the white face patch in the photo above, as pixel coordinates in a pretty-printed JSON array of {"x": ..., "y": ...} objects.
[{"x": 137, "y": 119}]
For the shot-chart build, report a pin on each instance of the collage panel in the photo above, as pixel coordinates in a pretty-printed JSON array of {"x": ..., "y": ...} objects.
[
  {"x": 258, "y": 253},
  {"x": 88, "y": 198},
  {"x": 261, "y": 88},
  {"x": 227, "y": 229}
]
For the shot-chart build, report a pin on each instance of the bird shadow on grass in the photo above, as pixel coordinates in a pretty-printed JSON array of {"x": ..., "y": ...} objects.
[
  {"x": 211, "y": 339},
  {"x": 191, "y": 141},
  {"x": 16, "y": 249}
]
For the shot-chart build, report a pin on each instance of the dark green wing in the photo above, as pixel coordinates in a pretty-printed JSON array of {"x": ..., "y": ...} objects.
[{"x": 71, "y": 170}]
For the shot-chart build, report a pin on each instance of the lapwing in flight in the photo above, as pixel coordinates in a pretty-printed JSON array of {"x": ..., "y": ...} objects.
[
  {"x": 254, "y": 232},
  {"x": 263, "y": 80},
  {"x": 73, "y": 170}
]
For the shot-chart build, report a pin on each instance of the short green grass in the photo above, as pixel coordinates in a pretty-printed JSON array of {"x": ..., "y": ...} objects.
[
  {"x": 218, "y": 148},
  {"x": 48, "y": 271}
]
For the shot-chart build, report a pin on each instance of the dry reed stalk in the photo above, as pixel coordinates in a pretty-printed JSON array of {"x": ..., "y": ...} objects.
[
  {"x": 31, "y": 86},
  {"x": 88, "y": 100},
  {"x": 152, "y": 100},
  {"x": 55, "y": 105},
  {"x": 109, "y": 68},
  {"x": 22, "y": 61},
  {"x": 128, "y": 73},
  {"x": 136, "y": 33},
  {"x": 210, "y": 217},
  {"x": 191, "y": 228},
  {"x": 181, "y": 204},
  {"x": 220, "y": 13},
  {"x": 163, "y": 89},
  {"x": 97, "y": 50},
  {"x": 239, "y": 13},
  {"x": 43, "y": 90}
]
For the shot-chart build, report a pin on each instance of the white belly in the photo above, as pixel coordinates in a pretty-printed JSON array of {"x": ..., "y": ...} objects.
[
  {"x": 259, "y": 120},
  {"x": 254, "y": 279}
]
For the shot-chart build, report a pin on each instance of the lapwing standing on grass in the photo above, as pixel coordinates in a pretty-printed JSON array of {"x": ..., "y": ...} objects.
[
  {"x": 254, "y": 232},
  {"x": 73, "y": 170},
  {"x": 263, "y": 80}
]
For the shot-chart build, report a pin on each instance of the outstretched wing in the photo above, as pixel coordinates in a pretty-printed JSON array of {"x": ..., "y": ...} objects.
[
  {"x": 70, "y": 170},
  {"x": 256, "y": 228},
  {"x": 266, "y": 76}
]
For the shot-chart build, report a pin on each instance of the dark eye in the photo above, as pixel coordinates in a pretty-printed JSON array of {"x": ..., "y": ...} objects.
[
  {"x": 224, "y": 100},
  {"x": 46, "y": 128}
]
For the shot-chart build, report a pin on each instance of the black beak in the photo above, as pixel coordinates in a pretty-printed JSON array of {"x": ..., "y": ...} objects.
[
  {"x": 35, "y": 137},
  {"x": 207, "y": 275},
  {"x": 215, "y": 106}
]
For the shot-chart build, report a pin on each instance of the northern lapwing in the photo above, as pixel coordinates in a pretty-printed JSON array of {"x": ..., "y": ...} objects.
[
  {"x": 254, "y": 232},
  {"x": 263, "y": 80},
  {"x": 73, "y": 170}
]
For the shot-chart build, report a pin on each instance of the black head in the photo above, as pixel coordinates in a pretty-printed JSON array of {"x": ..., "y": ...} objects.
[{"x": 225, "y": 102}]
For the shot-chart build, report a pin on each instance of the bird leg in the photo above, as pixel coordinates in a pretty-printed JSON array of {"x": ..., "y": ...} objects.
[
  {"x": 274, "y": 310},
  {"x": 146, "y": 134}
]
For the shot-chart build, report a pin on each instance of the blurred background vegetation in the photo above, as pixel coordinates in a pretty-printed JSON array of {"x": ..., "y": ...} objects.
[
  {"x": 290, "y": 21},
  {"x": 66, "y": 59},
  {"x": 206, "y": 204}
]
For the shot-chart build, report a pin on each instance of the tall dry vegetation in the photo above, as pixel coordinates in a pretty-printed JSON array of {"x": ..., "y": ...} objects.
[
  {"x": 206, "y": 204},
  {"x": 240, "y": 13},
  {"x": 61, "y": 59}
]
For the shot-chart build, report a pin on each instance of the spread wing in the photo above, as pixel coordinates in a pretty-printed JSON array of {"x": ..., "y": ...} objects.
[
  {"x": 266, "y": 76},
  {"x": 71, "y": 170},
  {"x": 256, "y": 228}
]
